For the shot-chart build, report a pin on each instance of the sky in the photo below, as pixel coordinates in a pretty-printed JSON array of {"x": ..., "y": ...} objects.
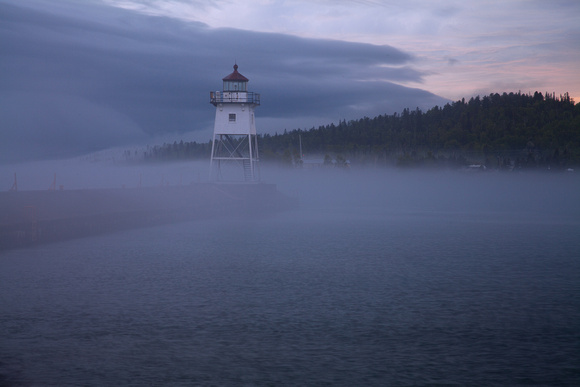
[{"x": 81, "y": 76}]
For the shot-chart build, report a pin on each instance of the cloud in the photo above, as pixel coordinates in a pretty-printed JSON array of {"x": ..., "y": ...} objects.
[
  {"x": 451, "y": 61},
  {"x": 534, "y": 32},
  {"x": 37, "y": 125},
  {"x": 82, "y": 77}
]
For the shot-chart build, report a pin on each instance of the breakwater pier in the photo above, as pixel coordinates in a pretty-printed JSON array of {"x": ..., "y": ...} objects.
[{"x": 35, "y": 217}]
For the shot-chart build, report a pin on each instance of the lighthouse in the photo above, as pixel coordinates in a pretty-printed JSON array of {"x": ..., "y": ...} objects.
[{"x": 234, "y": 153}]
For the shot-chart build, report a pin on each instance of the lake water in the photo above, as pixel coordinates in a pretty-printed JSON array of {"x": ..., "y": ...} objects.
[{"x": 410, "y": 280}]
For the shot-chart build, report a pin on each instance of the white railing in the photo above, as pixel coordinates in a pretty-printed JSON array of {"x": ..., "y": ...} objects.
[{"x": 217, "y": 97}]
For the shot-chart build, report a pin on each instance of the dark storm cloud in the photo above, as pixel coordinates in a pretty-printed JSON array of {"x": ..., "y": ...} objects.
[{"x": 85, "y": 77}]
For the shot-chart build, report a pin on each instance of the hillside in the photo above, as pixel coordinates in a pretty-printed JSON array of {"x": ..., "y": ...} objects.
[{"x": 502, "y": 131}]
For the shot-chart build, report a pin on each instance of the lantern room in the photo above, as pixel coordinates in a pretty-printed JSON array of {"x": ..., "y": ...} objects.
[{"x": 235, "y": 81}]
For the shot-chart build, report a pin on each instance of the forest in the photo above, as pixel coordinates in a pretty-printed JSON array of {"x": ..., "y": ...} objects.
[{"x": 500, "y": 131}]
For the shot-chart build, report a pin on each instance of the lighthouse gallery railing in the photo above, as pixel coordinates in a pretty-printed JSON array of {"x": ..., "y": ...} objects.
[{"x": 217, "y": 97}]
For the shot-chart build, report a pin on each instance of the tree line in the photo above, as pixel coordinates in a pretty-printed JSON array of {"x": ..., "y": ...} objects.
[{"x": 512, "y": 130}]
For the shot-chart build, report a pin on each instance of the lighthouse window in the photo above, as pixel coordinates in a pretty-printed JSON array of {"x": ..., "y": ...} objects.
[
  {"x": 234, "y": 86},
  {"x": 232, "y": 117}
]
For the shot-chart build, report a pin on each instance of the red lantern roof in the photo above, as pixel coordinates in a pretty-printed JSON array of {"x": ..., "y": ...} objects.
[{"x": 235, "y": 76}]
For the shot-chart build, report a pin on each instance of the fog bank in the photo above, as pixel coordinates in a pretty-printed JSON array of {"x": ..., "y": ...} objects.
[
  {"x": 392, "y": 190},
  {"x": 434, "y": 191}
]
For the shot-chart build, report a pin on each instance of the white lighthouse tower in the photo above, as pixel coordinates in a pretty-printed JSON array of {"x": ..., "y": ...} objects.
[{"x": 234, "y": 153}]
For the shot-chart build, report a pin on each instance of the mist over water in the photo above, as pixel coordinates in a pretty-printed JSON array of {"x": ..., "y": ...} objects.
[
  {"x": 100, "y": 172},
  {"x": 381, "y": 277},
  {"x": 435, "y": 191},
  {"x": 398, "y": 190}
]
